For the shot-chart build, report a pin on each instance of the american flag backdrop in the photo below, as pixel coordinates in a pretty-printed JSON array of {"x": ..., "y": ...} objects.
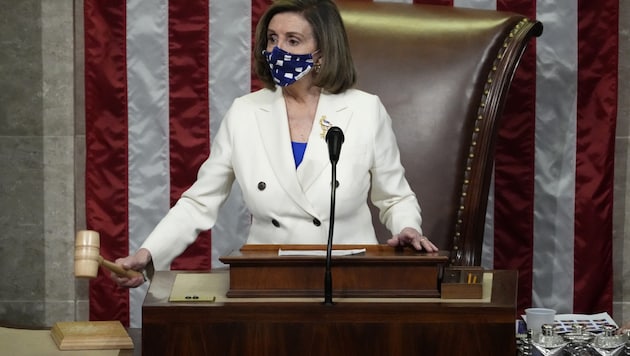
[{"x": 160, "y": 74}]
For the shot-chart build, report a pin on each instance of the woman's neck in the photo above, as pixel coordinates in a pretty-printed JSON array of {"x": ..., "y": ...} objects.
[
  {"x": 301, "y": 104},
  {"x": 301, "y": 94}
]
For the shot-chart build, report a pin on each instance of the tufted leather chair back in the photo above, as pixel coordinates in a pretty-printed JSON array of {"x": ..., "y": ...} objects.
[{"x": 443, "y": 74}]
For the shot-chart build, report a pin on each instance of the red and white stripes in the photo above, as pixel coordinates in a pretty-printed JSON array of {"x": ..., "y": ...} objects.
[{"x": 160, "y": 74}]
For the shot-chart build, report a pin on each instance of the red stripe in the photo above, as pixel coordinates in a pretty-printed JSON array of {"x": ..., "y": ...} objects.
[
  {"x": 189, "y": 110},
  {"x": 514, "y": 169},
  {"x": 106, "y": 148},
  {"x": 596, "y": 120},
  {"x": 258, "y": 8}
]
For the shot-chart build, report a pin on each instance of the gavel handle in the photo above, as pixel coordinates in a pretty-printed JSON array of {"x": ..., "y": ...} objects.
[{"x": 129, "y": 273}]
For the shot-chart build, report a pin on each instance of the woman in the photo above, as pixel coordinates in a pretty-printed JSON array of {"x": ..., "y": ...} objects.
[{"x": 272, "y": 142}]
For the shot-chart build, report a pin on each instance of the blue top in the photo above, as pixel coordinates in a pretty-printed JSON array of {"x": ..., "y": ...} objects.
[{"x": 298, "y": 152}]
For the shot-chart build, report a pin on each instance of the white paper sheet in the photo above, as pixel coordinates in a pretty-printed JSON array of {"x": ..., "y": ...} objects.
[{"x": 350, "y": 252}]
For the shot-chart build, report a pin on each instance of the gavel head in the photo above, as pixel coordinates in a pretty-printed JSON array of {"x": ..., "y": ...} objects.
[{"x": 86, "y": 253}]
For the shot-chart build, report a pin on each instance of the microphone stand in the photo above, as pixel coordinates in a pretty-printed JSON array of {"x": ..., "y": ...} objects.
[
  {"x": 328, "y": 273},
  {"x": 334, "y": 138}
]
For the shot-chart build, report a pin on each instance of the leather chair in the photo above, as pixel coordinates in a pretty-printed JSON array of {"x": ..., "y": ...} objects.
[{"x": 443, "y": 74}]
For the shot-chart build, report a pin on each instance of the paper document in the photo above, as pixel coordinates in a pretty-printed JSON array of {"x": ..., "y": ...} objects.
[
  {"x": 357, "y": 251},
  {"x": 187, "y": 288},
  {"x": 563, "y": 323}
]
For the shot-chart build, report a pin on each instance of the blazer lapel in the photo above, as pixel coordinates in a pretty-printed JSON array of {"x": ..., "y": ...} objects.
[
  {"x": 332, "y": 110},
  {"x": 274, "y": 131}
]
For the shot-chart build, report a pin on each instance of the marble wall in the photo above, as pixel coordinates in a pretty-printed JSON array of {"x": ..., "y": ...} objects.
[
  {"x": 22, "y": 162},
  {"x": 37, "y": 161},
  {"x": 42, "y": 163}
]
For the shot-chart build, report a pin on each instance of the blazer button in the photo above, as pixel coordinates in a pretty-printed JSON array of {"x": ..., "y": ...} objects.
[
  {"x": 275, "y": 223},
  {"x": 316, "y": 222},
  {"x": 262, "y": 185}
]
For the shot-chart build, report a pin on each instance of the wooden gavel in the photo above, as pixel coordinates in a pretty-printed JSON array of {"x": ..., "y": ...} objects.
[{"x": 87, "y": 257}]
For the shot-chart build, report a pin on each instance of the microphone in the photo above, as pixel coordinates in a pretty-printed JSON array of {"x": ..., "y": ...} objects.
[{"x": 334, "y": 138}]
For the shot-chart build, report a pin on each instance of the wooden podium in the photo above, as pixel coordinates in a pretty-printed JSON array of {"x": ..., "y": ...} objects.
[
  {"x": 365, "y": 325},
  {"x": 380, "y": 271}
]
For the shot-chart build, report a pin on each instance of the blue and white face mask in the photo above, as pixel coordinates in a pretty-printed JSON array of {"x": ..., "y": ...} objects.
[{"x": 287, "y": 68}]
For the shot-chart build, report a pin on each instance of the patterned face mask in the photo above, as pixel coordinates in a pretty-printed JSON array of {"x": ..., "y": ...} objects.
[{"x": 287, "y": 68}]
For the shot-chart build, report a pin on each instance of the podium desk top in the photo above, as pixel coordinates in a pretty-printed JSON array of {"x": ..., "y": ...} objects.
[{"x": 169, "y": 288}]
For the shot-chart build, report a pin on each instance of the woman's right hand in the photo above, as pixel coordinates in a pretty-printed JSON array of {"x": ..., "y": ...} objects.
[{"x": 136, "y": 262}]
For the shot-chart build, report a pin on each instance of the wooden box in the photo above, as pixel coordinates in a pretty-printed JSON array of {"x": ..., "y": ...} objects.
[
  {"x": 380, "y": 272},
  {"x": 462, "y": 283}
]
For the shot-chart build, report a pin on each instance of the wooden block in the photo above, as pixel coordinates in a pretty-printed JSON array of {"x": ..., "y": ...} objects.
[
  {"x": 90, "y": 335},
  {"x": 462, "y": 283}
]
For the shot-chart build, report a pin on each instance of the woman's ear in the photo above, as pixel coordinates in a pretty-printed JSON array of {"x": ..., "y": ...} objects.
[
  {"x": 317, "y": 67},
  {"x": 318, "y": 60}
]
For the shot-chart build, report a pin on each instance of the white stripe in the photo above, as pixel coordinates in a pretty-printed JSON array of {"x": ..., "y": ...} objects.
[
  {"x": 487, "y": 251},
  {"x": 476, "y": 4},
  {"x": 556, "y": 88},
  {"x": 147, "y": 71},
  {"x": 230, "y": 77}
]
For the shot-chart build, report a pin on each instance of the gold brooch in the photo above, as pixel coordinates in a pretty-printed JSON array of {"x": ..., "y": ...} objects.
[{"x": 325, "y": 125}]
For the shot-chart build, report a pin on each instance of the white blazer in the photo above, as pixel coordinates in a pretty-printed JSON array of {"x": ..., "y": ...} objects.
[{"x": 290, "y": 206}]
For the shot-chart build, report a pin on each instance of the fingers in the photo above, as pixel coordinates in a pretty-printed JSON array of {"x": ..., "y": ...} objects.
[
  {"x": 129, "y": 263},
  {"x": 427, "y": 245},
  {"x": 409, "y": 236},
  {"x": 393, "y": 241},
  {"x": 126, "y": 282}
]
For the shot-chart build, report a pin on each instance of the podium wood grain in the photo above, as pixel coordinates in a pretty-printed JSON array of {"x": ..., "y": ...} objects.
[
  {"x": 380, "y": 272},
  {"x": 372, "y": 327}
]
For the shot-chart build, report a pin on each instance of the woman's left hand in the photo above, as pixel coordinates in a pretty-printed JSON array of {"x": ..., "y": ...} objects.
[{"x": 411, "y": 236}]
